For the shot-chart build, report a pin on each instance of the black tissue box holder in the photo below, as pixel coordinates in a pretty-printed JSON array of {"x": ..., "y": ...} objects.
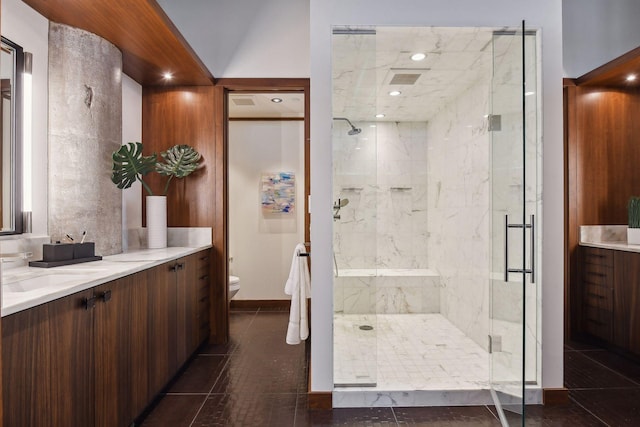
[
  {"x": 58, "y": 254},
  {"x": 84, "y": 250}
]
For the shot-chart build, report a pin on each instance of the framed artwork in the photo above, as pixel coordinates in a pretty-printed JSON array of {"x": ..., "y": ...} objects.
[{"x": 278, "y": 193}]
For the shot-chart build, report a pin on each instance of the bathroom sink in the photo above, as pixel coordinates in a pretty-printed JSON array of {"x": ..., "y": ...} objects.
[{"x": 40, "y": 282}]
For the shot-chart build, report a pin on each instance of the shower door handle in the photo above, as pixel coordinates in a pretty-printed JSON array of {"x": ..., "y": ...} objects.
[{"x": 532, "y": 249}]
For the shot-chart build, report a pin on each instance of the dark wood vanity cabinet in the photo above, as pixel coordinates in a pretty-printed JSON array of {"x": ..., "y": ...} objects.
[
  {"x": 626, "y": 307},
  {"x": 100, "y": 356},
  {"x": 121, "y": 350},
  {"x": 48, "y": 364},
  {"x": 597, "y": 292},
  {"x": 610, "y": 287}
]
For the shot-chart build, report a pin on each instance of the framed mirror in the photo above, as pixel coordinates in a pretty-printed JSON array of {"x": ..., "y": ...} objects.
[{"x": 11, "y": 83}]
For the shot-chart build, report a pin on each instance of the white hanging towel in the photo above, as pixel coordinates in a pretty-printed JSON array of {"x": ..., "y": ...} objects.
[{"x": 299, "y": 287}]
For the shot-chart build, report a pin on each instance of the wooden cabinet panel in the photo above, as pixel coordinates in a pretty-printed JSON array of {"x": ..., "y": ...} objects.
[
  {"x": 72, "y": 361},
  {"x": 203, "y": 294},
  {"x": 188, "y": 306},
  {"x": 182, "y": 309},
  {"x": 191, "y": 304},
  {"x": 26, "y": 368},
  {"x": 597, "y": 292},
  {"x": 121, "y": 351},
  {"x": 162, "y": 331},
  {"x": 626, "y": 300},
  {"x": 48, "y": 365}
]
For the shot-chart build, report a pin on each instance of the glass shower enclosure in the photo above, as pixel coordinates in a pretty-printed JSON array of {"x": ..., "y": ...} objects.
[{"x": 437, "y": 211}]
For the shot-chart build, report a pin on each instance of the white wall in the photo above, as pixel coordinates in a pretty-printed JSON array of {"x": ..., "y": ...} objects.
[
  {"x": 249, "y": 38},
  {"x": 29, "y": 29},
  {"x": 597, "y": 31},
  {"x": 131, "y": 132},
  {"x": 544, "y": 14},
  {"x": 261, "y": 248}
]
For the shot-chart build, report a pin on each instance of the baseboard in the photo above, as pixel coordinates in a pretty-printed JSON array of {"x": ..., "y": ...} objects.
[
  {"x": 319, "y": 400},
  {"x": 555, "y": 396},
  {"x": 254, "y": 304}
]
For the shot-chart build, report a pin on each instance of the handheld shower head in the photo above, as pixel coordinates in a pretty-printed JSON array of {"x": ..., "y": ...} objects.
[
  {"x": 354, "y": 130},
  {"x": 341, "y": 203}
]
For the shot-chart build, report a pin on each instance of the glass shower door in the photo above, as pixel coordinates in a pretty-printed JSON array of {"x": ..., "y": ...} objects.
[
  {"x": 514, "y": 194},
  {"x": 355, "y": 194}
]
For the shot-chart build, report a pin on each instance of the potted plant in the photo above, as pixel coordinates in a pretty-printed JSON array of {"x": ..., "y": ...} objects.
[
  {"x": 633, "y": 231},
  {"x": 130, "y": 165}
]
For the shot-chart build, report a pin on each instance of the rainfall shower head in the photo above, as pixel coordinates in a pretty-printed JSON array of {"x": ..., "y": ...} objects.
[{"x": 354, "y": 130}]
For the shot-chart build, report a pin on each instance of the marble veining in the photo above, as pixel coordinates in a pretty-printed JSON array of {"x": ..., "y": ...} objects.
[
  {"x": 418, "y": 360},
  {"x": 407, "y": 352}
]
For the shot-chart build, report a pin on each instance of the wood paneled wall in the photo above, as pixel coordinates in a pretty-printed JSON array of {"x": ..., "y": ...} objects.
[
  {"x": 197, "y": 115},
  {"x": 602, "y": 131},
  {"x": 194, "y": 115}
]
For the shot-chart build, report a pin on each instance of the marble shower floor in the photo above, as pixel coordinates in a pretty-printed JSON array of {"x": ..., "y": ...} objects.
[{"x": 407, "y": 352}]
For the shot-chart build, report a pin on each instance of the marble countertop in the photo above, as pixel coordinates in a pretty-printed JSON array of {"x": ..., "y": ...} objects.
[
  {"x": 619, "y": 246},
  {"x": 606, "y": 237},
  {"x": 27, "y": 287}
]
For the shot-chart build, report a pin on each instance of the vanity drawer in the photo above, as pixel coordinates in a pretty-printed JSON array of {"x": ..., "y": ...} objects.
[
  {"x": 598, "y": 310},
  {"x": 600, "y": 275},
  {"x": 598, "y": 297},
  {"x": 597, "y": 257}
]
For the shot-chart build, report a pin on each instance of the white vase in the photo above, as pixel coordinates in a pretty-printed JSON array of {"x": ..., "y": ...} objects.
[
  {"x": 156, "y": 222},
  {"x": 633, "y": 236}
]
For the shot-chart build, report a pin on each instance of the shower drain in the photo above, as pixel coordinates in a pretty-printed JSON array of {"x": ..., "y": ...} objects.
[{"x": 366, "y": 327}]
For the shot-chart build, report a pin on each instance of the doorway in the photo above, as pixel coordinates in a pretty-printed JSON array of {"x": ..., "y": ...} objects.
[{"x": 267, "y": 136}]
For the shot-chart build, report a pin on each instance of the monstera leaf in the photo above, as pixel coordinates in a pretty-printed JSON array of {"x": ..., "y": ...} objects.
[
  {"x": 130, "y": 165},
  {"x": 178, "y": 161}
]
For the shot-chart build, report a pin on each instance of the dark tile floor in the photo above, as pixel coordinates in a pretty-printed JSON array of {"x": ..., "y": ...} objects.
[{"x": 258, "y": 380}]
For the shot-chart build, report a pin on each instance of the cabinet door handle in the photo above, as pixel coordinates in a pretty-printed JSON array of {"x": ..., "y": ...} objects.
[
  {"x": 181, "y": 266},
  {"x": 205, "y": 277},
  {"x": 204, "y": 258},
  {"x": 173, "y": 267},
  {"x": 89, "y": 303},
  {"x": 105, "y": 296}
]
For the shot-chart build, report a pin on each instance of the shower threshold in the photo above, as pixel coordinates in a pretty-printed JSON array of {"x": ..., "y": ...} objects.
[{"x": 350, "y": 385}]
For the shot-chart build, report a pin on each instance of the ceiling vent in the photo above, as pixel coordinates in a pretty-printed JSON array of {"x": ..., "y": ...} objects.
[
  {"x": 244, "y": 101},
  {"x": 405, "y": 76},
  {"x": 404, "y": 79}
]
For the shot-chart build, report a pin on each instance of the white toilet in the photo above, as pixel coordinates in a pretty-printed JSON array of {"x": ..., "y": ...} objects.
[{"x": 234, "y": 286}]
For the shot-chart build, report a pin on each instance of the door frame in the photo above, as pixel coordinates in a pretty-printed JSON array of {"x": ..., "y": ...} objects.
[{"x": 223, "y": 87}]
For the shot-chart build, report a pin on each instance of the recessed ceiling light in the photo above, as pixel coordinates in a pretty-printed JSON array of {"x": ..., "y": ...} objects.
[
  {"x": 529, "y": 93},
  {"x": 372, "y": 126},
  {"x": 631, "y": 77},
  {"x": 167, "y": 75},
  {"x": 395, "y": 93},
  {"x": 418, "y": 56},
  {"x": 379, "y": 116},
  {"x": 276, "y": 100}
]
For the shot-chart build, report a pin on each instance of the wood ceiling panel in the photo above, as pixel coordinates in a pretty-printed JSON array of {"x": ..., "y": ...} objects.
[
  {"x": 614, "y": 73},
  {"x": 150, "y": 43}
]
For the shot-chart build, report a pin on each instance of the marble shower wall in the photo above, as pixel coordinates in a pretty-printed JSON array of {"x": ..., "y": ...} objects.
[
  {"x": 85, "y": 128},
  {"x": 383, "y": 173},
  {"x": 458, "y": 205}
]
